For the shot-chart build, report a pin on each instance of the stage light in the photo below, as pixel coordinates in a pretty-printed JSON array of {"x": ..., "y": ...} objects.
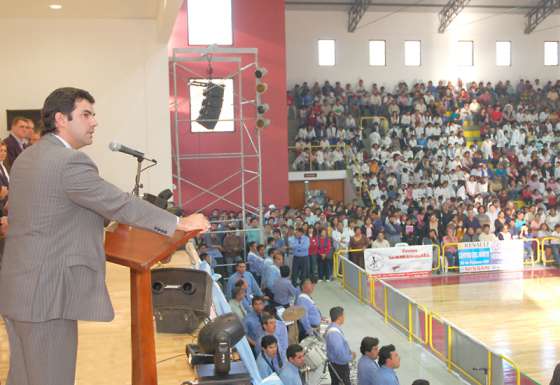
[
  {"x": 262, "y": 108},
  {"x": 262, "y": 122},
  {"x": 260, "y": 72},
  {"x": 262, "y": 87}
]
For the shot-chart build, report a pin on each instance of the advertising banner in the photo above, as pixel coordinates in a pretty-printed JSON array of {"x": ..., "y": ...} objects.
[
  {"x": 399, "y": 261},
  {"x": 489, "y": 256}
]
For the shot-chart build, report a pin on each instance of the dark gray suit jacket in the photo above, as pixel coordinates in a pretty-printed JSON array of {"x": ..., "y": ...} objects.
[{"x": 54, "y": 260}]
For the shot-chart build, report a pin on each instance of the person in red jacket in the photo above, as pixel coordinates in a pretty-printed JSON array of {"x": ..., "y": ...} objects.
[
  {"x": 313, "y": 243},
  {"x": 324, "y": 259}
]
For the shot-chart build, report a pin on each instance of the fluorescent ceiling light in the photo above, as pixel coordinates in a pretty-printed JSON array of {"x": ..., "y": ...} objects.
[{"x": 55, "y": 7}]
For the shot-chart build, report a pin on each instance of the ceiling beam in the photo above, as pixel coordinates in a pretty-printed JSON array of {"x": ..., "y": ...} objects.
[
  {"x": 355, "y": 13},
  {"x": 450, "y": 12},
  {"x": 537, "y": 14}
]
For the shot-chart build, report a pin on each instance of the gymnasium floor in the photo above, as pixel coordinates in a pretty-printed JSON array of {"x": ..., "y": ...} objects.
[{"x": 516, "y": 314}]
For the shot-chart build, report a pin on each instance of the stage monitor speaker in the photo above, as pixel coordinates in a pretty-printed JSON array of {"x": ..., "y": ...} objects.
[
  {"x": 181, "y": 298},
  {"x": 211, "y": 106}
]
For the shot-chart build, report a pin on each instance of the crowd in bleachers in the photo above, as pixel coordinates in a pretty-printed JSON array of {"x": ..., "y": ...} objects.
[{"x": 411, "y": 157}]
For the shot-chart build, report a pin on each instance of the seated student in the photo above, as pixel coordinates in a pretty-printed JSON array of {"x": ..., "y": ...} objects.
[
  {"x": 290, "y": 374},
  {"x": 242, "y": 273},
  {"x": 273, "y": 327},
  {"x": 269, "y": 360},
  {"x": 252, "y": 321},
  {"x": 236, "y": 303},
  {"x": 367, "y": 364},
  {"x": 389, "y": 360},
  {"x": 283, "y": 291}
]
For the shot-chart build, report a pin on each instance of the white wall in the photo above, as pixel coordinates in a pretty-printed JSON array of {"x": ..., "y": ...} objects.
[
  {"x": 304, "y": 28},
  {"x": 122, "y": 64}
]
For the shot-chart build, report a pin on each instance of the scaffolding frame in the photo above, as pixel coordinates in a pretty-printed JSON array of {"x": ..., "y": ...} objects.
[{"x": 250, "y": 143}]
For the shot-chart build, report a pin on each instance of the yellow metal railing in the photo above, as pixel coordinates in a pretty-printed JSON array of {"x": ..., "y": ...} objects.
[
  {"x": 341, "y": 267},
  {"x": 515, "y": 367},
  {"x": 383, "y": 122},
  {"x": 543, "y": 251}
]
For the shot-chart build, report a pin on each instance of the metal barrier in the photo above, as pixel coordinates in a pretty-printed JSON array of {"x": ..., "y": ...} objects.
[{"x": 469, "y": 358}]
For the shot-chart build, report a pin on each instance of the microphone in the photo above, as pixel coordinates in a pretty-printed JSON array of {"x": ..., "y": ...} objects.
[{"x": 114, "y": 146}]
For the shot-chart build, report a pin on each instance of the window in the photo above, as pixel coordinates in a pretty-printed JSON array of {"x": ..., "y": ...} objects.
[
  {"x": 412, "y": 53},
  {"x": 464, "y": 53},
  {"x": 326, "y": 52},
  {"x": 196, "y": 90},
  {"x": 551, "y": 53},
  {"x": 377, "y": 52},
  {"x": 209, "y": 22},
  {"x": 503, "y": 53}
]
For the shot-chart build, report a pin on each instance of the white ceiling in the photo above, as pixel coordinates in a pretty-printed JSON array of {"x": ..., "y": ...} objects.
[{"x": 117, "y": 9}]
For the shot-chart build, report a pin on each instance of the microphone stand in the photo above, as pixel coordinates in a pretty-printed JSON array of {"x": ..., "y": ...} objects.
[
  {"x": 139, "y": 169},
  {"x": 137, "y": 185}
]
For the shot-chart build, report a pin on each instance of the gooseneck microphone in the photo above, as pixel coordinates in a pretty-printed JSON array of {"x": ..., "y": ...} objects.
[{"x": 114, "y": 146}]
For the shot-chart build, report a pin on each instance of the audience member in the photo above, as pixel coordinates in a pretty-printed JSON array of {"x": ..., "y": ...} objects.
[
  {"x": 339, "y": 354},
  {"x": 367, "y": 364}
]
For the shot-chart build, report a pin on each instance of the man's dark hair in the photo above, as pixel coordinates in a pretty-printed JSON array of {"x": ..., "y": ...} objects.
[
  {"x": 265, "y": 318},
  {"x": 270, "y": 309},
  {"x": 15, "y": 121},
  {"x": 203, "y": 256},
  {"x": 293, "y": 350},
  {"x": 421, "y": 382},
  {"x": 335, "y": 313},
  {"x": 367, "y": 344},
  {"x": 268, "y": 340},
  {"x": 61, "y": 100},
  {"x": 385, "y": 353},
  {"x": 256, "y": 299},
  {"x": 313, "y": 280},
  {"x": 284, "y": 271},
  {"x": 241, "y": 262},
  {"x": 252, "y": 243}
]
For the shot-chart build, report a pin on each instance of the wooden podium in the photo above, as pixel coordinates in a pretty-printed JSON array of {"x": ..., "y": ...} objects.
[{"x": 140, "y": 250}]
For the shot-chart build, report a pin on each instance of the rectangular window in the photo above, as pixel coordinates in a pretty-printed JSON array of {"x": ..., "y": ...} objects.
[
  {"x": 209, "y": 22},
  {"x": 412, "y": 53},
  {"x": 326, "y": 52},
  {"x": 503, "y": 53},
  {"x": 225, "y": 115},
  {"x": 377, "y": 52},
  {"x": 551, "y": 53},
  {"x": 464, "y": 53}
]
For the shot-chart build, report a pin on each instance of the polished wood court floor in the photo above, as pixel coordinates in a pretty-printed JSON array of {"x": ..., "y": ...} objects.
[
  {"x": 515, "y": 314},
  {"x": 104, "y": 348}
]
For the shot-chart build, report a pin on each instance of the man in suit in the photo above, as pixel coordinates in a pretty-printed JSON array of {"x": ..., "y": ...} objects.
[
  {"x": 53, "y": 270},
  {"x": 17, "y": 140}
]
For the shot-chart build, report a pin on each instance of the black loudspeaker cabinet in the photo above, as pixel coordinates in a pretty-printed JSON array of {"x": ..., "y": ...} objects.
[
  {"x": 181, "y": 299},
  {"x": 211, "y": 106}
]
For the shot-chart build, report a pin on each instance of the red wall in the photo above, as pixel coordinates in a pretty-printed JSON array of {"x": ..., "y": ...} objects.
[{"x": 256, "y": 24}]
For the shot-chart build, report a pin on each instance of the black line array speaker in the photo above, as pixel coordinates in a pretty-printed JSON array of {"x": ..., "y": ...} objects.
[
  {"x": 211, "y": 105},
  {"x": 181, "y": 299}
]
